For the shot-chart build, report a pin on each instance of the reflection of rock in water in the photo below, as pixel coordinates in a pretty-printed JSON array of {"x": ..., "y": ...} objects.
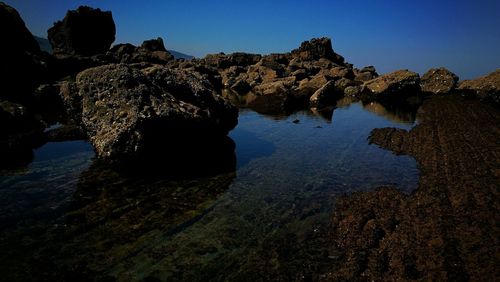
[
  {"x": 116, "y": 211},
  {"x": 401, "y": 112}
]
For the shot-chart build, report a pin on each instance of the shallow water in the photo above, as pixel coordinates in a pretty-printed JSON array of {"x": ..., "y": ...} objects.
[{"x": 67, "y": 215}]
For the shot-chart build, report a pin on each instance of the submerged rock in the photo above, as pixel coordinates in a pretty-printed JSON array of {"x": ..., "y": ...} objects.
[
  {"x": 486, "y": 87},
  {"x": 127, "y": 112},
  {"x": 438, "y": 81},
  {"x": 84, "y": 32},
  {"x": 398, "y": 84}
]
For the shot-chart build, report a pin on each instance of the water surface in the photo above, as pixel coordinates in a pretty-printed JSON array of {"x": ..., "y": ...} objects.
[{"x": 67, "y": 215}]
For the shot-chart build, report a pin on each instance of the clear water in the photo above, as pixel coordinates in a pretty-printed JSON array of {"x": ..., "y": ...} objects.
[{"x": 68, "y": 216}]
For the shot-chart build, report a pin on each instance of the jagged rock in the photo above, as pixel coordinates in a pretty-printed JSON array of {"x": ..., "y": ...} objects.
[
  {"x": 352, "y": 91},
  {"x": 307, "y": 87},
  {"x": 365, "y": 74},
  {"x": 326, "y": 95},
  {"x": 485, "y": 87},
  {"x": 223, "y": 61},
  {"x": 317, "y": 48},
  {"x": 438, "y": 81},
  {"x": 151, "y": 51},
  {"x": 127, "y": 112},
  {"x": 22, "y": 64},
  {"x": 83, "y": 32},
  {"x": 398, "y": 84}
]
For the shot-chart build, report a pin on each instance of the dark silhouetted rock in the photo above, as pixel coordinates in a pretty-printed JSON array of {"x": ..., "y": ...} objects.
[
  {"x": 438, "y": 81},
  {"x": 127, "y": 112},
  {"x": 20, "y": 132},
  {"x": 486, "y": 87},
  {"x": 84, "y": 32},
  {"x": 151, "y": 51},
  {"x": 22, "y": 65},
  {"x": 317, "y": 48},
  {"x": 398, "y": 84},
  {"x": 154, "y": 45}
]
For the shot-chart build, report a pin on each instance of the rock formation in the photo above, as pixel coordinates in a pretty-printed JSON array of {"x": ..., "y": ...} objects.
[
  {"x": 83, "y": 32},
  {"x": 438, "y": 81},
  {"x": 487, "y": 87},
  {"x": 125, "y": 110},
  {"x": 396, "y": 85},
  {"x": 22, "y": 64}
]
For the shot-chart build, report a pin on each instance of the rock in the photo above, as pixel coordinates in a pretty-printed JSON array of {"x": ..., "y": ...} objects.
[
  {"x": 399, "y": 84},
  {"x": 438, "y": 81},
  {"x": 352, "y": 91},
  {"x": 23, "y": 66},
  {"x": 223, "y": 61},
  {"x": 273, "y": 97},
  {"x": 365, "y": 74},
  {"x": 317, "y": 48},
  {"x": 307, "y": 87},
  {"x": 487, "y": 87},
  {"x": 341, "y": 72},
  {"x": 15, "y": 35},
  {"x": 128, "y": 113},
  {"x": 326, "y": 95},
  {"x": 151, "y": 51},
  {"x": 69, "y": 132},
  {"x": 154, "y": 45},
  {"x": 20, "y": 132},
  {"x": 83, "y": 32}
]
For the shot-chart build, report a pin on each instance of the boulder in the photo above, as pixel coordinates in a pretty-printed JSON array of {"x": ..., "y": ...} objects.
[
  {"x": 438, "y": 81},
  {"x": 20, "y": 132},
  {"x": 151, "y": 51},
  {"x": 486, "y": 87},
  {"x": 83, "y": 32},
  {"x": 22, "y": 65},
  {"x": 223, "y": 61},
  {"x": 365, "y": 74},
  {"x": 398, "y": 84},
  {"x": 128, "y": 113},
  {"x": 317, "y": 48},
  {"x": 326, "y": 95}
]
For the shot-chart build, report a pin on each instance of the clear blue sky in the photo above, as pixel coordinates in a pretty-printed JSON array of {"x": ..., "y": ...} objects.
[{"x": 463, "y": 36}]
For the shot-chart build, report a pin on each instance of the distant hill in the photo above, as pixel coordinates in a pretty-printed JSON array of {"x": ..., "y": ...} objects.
[
  {"x": 179, "y": 55},
  {"x": 45, "y": 46}
]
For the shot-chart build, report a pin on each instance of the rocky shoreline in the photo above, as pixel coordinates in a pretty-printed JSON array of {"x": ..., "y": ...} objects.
[{"x": 135, "y": 102}]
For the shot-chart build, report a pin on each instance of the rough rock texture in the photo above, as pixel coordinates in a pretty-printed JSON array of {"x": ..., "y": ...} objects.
[
  {"x": 448, "y": 228},
  {"x": 365, "y": 74},
  {"x": 401, "y": 83},
  {"x": 21, "y": 66},
  {"x": 326, "y": 95},
  {"x": 486, "y": 87},
  {"x": 151, "y": 51},
  {"x": 84, "y": 31},
  {"x": 438, "y": 81},
  {"x": 317, "y": 48},
  {"x": 126, "y": 111}
]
